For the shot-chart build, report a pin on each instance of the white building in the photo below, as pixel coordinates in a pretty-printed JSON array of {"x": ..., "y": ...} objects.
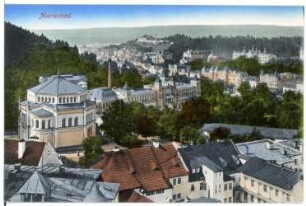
[
  {"x": 263, "y": 57},
  {"x": 272, "y": 80},
  {"x": 103, "y": 97},
  {"x": 57, "y": 111},
  {"x": 212, "y": 164}
]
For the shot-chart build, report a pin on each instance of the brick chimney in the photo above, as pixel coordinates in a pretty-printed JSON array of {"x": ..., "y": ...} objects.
[{"x": 109, "y": 81}]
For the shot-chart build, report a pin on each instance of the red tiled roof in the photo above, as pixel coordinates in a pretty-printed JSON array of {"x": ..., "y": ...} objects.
[
  {"x": 31, "y": 155},
  {"x": 169, "y": 161},
  {"x": 136, "y": 197},
  {"x": 145, "y": 167},
  {"x": 10, "y": 151}
]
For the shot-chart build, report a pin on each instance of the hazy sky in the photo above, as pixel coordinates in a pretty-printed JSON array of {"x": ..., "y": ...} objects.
[{"x": 28, "y": 16}]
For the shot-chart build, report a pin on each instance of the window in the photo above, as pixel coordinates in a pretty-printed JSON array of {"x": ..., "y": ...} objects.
[
  {"x": 70, "y": 122},
  {"x": 230, "y": 186},
  {"x": 178, "y": 196},
  {"x": 219, "y": 188},
  {"x": 216, "y": 189},
  {"x": 43, "y": 124},
  {"x": 174, "y": 196},
  {"x": 150, "y": 193},
  {"x": 202, "y": 186},
  {"x": 174, "y": 181},
  {"x": 252, "y": 198},
  {"x": 192, "y": 188},
  {"x": 37, "y": 124},
  {"x": 60, "y": 100},
  {"x": 159, "y": 191},
  {"x": 52, "y": 99},
  {"x": 276, "y": 192},
  {"x": 288, "y": 197},
  {"x": 63, "y": 122},
  {"x": 225, "y": 187},
  {"x": 265, "y": 188},
  {"x": 252, "y": 183},
  {"x": 225, "y": 200},
  {"x": 49, "y": 123},
  {"x": 179, "y": 180},
  {"x": 76, "y": 120},
  {"x": 230, "y": 199}
]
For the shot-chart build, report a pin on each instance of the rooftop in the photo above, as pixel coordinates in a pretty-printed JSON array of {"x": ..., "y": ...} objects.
[
  {"x": 57, "y": 85},
  {"x": 274, "y": 133},
  {"x": 275, "y": 151},
  {"x": 219, "y": 156},
  {"x": 273, "y": 174},
  {"x": 69, "y": 184},
  {"x": 31, "y": 155},
  {"x": 146, "y": 167}
]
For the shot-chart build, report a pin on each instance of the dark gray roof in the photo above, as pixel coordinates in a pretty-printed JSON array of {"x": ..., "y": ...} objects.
[
  {"x": 102, "y": 93},
  {"x": 217, "y": 156},
  {"x": 57, "y": 85},
  {"x": 273, "y": 174},
  {"x": 227, "y": 178},
  {"x": 274, "y": 133},
  {"x": 42, "y": 113},
  {"x": 196, "y": 177}
]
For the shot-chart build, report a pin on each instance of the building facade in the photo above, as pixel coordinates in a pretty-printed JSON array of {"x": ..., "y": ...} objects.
[
  {"x": 57, "y": 111},
  {"x": 261, "y": 181}
]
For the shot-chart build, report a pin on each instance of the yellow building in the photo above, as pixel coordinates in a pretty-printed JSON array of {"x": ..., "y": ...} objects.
[
  {"x": 261, "y": 181},
  {"x": 57, "y": 111}
]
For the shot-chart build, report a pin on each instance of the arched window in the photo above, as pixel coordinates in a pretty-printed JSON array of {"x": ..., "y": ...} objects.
[
  {"x": 76, "y": 121},
  {"x": 37, "y": 124},
  {"x": 63, "y": 122},
  {"x": 52, "y": 99},
  {"x": 74, "y": 99},
  {"x": 64, "y": 100},
  {"x": 38, "y": 99},
  {"x": 49, "y": 123},
  {"x": 46, "y": 99},
  {"x": 70, "y": 122},
  {"x": 67, "y": 99},
  {"x": 49, "y": 99},
  {"x": 43, "y": 124},
  {"x": 71, "y": 99},
  {"x": 60, "y": 100},
  {"x": 33, "y": 123}
]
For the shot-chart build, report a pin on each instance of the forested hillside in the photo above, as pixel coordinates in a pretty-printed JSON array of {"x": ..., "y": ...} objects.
[
  {"x": 37, "y": 56},
  {"x": 224, "y": 46}
]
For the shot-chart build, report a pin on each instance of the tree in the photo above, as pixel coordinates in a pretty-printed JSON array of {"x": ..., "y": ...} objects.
[
  {"x": 220, "y": 133},
  {"x": 195, "y": 112},
  {"x": 92, "y": 148},
  {"x": 189, "y": 135},
  {"x": 167, "y": 124},
  {"x": 118, "y": 120}
]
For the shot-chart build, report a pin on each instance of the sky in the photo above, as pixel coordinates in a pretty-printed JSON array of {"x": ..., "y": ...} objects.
[{"x": 93, "y": 16}]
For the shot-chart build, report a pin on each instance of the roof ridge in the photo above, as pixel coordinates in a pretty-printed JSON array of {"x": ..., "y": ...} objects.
[{"x": 46, "y": 84}]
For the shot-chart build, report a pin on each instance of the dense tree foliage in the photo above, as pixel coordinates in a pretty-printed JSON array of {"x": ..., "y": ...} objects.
[
  {"x": 29, "y": 56},
  {"x": 252, "y": 66},
  {"x": 257, "y": 107},
  {"x": 224, "y": 46}
]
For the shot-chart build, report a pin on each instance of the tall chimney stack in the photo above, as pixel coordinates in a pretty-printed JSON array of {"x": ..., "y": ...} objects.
[{"x": 109, "y": 82}]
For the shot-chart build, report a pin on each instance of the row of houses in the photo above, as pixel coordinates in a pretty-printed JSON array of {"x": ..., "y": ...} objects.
[
  {"x": 170, "y": 172},
  {"x": 275, "y": 82}
]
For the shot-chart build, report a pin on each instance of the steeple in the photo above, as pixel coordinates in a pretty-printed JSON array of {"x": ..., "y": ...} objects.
[{"x": 109, "y": 82}]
